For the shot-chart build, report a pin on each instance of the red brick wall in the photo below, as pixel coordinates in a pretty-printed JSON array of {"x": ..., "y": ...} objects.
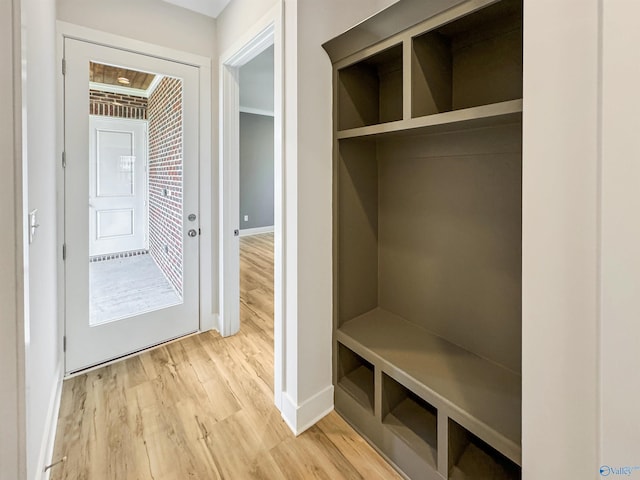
[
  {"x": 116, "y": 105},
  {"x": 164, "y": 113}
]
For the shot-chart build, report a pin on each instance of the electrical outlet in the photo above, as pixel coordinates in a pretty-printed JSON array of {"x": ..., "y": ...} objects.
[{"x": 246, "y": 218}]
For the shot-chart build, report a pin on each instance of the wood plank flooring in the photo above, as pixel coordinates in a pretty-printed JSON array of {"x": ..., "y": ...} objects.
[{"x": 202, "y": 408}]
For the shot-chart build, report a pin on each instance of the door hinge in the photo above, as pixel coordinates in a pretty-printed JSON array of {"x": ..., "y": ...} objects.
[
  {"x": 199, "y": 232},
  {"x": 64, "y": 66},
  {"x": 64, "y": 344},
  {"x": 64, "y": 159},
  {"x": 64, "y": 251}
]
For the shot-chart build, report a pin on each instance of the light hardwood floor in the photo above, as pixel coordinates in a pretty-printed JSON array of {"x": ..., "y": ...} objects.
[{"x": 202, "y": 408}]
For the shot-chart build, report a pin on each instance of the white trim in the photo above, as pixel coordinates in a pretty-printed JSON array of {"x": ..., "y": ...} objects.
[
  {"x": 256, "y": 111},
  {"x": 302, "y": 417},
  {"x": 154, "y": 84},
  {"x": 207, "y": 215},
  {"x": 254, "y": 42},
  {"x": 229, "y": 208},
  {"x": 267, "y": 31},
  {"x": 46, "y": 448},
  {"x": 247, "y": 232},
  {"x": 85, "y": 34},
  {"x": 134, "y": 92}
]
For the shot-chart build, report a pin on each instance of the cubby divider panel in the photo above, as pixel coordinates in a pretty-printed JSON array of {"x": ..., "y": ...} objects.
[
  {"x": 356, "y": 377},
  {"x": 473, "y": 61},
  {"x": 370, "y": 91},
  {"x": 470, "y": 458}
]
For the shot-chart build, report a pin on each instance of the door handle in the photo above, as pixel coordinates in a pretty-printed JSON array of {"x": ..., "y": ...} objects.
[{"x": 192, "y": 233}]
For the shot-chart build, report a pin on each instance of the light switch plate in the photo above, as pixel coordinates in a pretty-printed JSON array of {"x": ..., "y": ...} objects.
[{"x": 33, "y": 224}]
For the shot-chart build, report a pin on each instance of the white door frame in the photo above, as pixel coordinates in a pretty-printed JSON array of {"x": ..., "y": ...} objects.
[
  {"x": 208, "y": 218},
  {"x": 266, "y": 32}
]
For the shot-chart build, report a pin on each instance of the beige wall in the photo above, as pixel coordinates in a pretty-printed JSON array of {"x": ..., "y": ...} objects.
[
  {"x": 150, "y": 21},
  {"x": 560, "y": 239},
  {"x": 620, "y": 237},
  {"x": 237, "y": 18},
  {"x": 308, "y": 23},
  {"x": 317, "y": 23},
  {"x": 12, "y": 462}
]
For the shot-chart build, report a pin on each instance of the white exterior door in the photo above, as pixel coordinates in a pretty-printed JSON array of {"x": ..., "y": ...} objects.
[
  {"x": 117, "y": 185},
  {"x": 120, "y": 306}
]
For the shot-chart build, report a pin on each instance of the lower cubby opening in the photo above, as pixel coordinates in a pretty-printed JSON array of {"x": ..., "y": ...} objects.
[
  {"x": 470, "y": 458},
  {"x": 355, "y": 376},
  {"x": 410, "y": 418}
]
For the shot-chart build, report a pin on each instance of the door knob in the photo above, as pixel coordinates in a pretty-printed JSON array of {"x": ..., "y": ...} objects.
[{"x": 192, "y": 233}]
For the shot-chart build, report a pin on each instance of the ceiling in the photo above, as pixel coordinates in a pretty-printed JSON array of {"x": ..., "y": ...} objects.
[
  {"x": 210, "y": 8},
  {"x": 108, "y": 75}
]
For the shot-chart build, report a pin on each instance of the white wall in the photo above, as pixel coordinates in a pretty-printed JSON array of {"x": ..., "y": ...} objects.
[
  {"x": 44, "y": 360},
  {"x": 560, "y": 239},
  {"x": 12, "y": 462},
  {"x": 620, "y": 260}
]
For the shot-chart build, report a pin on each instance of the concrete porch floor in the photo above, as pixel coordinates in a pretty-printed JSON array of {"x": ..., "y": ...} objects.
[{"x": 128, "y": 286}]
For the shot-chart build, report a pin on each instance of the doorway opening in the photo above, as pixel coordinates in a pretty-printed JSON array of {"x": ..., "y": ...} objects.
[
  {"x": 135, "y": 192},
  {"x": 256, "y": 145},
  {"x": 264, "y": 37}
]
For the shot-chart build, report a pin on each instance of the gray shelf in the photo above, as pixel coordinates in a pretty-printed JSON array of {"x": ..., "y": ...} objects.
[
  {"x": 480, "y": 395},
  {"x": 475, "y": 117}
]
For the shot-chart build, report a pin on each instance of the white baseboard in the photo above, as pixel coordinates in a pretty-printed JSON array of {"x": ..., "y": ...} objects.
[
  {"x": 256, "y": 231},
  {"x": 304, "y": 416},
  {"x": 46, "y": 448}
]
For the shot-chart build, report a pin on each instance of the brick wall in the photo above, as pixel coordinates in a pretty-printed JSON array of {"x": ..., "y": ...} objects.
[
  {"x": 116, "y": 105},
  {"x": 164, "y": 113}
]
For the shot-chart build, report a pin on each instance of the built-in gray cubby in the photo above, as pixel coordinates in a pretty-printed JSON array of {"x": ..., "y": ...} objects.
[
  {"x": 371, "y": 90},
  {"x": 472, "y": 459},
  {"x": 428, "y": 239},
  {"x": 472, "y": 61},
  {"x": 355, "y": 377},
  {"x": 410, "y": 418}
]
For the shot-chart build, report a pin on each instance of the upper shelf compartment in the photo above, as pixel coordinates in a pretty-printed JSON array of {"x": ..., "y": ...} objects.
[
  {"x": 370, "y": 91},
  {"x": 472, "y": 61}
]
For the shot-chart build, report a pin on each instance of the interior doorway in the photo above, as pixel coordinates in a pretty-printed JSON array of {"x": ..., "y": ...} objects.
[
  {"x": 256, "y": 145},
  {"x": 263, "y": 36}
]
